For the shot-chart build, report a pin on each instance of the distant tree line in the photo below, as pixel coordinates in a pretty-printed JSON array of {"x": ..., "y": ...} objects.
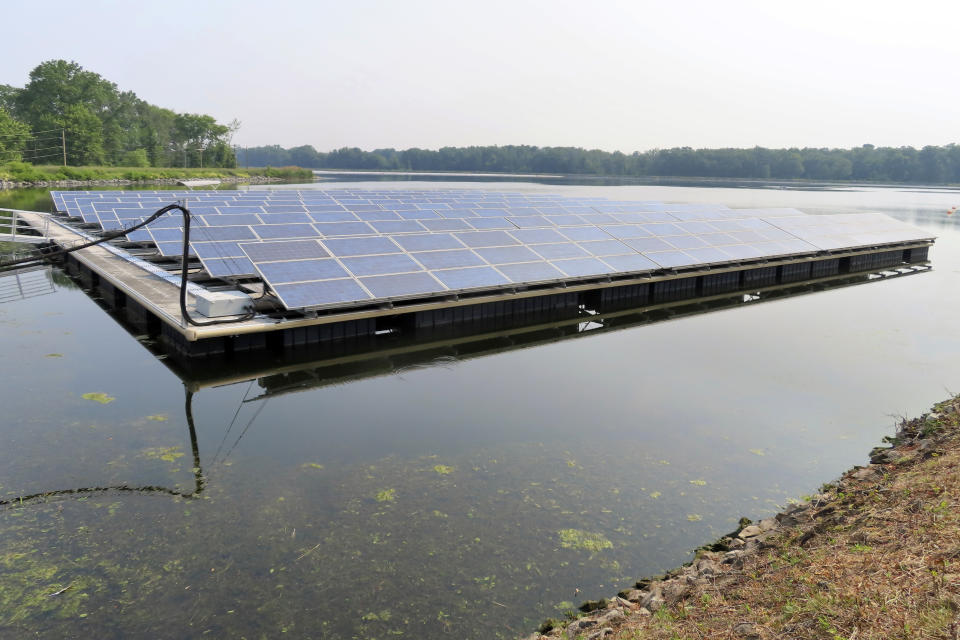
[
  {"x": 66, "y": 107},
  {"x": 931, "y": 165}
]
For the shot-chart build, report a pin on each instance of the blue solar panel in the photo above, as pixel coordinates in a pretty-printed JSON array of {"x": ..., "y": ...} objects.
[
  {"x": 671, "y": 259},
  {"x": 428, "y": 242},
  {"x": 631, "y": 262},
  {"x": 217, "y": 249},
  {"x": 605, "y": 247},
  {"x": 299, "y": 250},
  {"x": 335, "y": 229},
  {"x": 320, "y": 293},
  {"x": 232, "y": 267},
  {"x": 277, "y": 231},
  {"x": 301, "y": 270},
  {"x": 686, "y": 242},
  {"x": 333, "y": 216},
  {"x": 560, "y": 250},
  {"x": 486, "y": 239},
  {"x": 530, "y": 272},
  {"x": 360, "y": 246},
  {"x": 490, "y": 223},
  {"x": 581, "y": 267},
  {"x": 471, "y": 277},
  {"x": 380, "y": 265},
  {"x": 401, "y": 286},
  {"x": 536, "y": 236},
  {"x": 583, "y": 234},
  {"x": 285, "y": 218},
  {"x": 648, "y": 244},
  {"x": 201, "y": 234},
  {"x": 448, "y": 259},
  {"x": 445, "y": 225},
  {"x": 504, "y": 255}
]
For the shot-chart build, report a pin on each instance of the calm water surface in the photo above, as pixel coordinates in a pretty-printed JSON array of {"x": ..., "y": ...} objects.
[{"x": 467, "y": 497}]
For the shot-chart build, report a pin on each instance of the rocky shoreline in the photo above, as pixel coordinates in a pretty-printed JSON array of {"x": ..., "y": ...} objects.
[
  {"x": 119, "y": 182},
  {"x": 665, "y": 606}
]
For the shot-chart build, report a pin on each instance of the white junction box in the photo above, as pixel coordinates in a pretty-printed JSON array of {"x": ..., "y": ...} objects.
[{"x": 214, "y": 304}]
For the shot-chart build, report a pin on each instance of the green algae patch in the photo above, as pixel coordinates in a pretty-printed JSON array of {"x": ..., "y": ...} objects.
[
  {"x": 167, "y": 454},
  {"x": 101, "y": 398},
  {"x": 694, "y": 517},
  {"x": 386, "y": 495},
  {"x": 443, "y": 469},
  {"x": 312, "y": 465},
  {"x": 579, "y": 539},
  {"x": 158, "y": 418},
  {"x": 699, "y": 483},
  {"x": 53, "y": 355}
]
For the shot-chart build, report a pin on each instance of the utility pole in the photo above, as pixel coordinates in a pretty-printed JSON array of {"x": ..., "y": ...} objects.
[{"x": 63, "y": 141}]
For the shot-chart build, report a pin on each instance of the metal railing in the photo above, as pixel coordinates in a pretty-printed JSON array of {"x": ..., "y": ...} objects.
[{"x": 13, "y": 228}]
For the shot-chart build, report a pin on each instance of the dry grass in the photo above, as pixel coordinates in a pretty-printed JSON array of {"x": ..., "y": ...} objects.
[{"x": 877, "y": 558}]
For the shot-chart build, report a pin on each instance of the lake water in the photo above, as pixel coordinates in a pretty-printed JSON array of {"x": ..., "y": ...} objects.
[{"x": 457, "y": 496}]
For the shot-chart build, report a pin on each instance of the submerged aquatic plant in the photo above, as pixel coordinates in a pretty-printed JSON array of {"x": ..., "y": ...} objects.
[
  {"x": 102, "y": 398},
  {"x": 579, "y": 539}
]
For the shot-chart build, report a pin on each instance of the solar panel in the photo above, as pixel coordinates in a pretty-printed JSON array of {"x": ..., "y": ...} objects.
[{"x": 331, "y": 248}]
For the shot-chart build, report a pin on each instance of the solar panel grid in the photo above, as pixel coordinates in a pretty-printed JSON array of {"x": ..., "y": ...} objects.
[{"x": 534, "y": 237}]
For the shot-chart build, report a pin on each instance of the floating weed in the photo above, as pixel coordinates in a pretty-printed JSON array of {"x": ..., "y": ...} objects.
[
  {"x": 386, "y": 495},
  {"x": 102, "y": 398},
  {"x": 311, "y": 465},
  {"x": 443, "y": 469},
  {"x": 655, "y": 494},
  {"x": 699, "y": 483},
  {"x": 53, "y": 355},
  {"x": 382, "y": 616},
  {"x": 694, "y": 517},
  {"x": 158, "y": 418},
  {"x": 168, "y": 454},
  {"x": 757, "y": 452},
  {"x": 579, "y": 539}
]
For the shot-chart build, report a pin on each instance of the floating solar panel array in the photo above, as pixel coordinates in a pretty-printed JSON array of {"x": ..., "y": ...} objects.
[{"x": 342, "y": 247}]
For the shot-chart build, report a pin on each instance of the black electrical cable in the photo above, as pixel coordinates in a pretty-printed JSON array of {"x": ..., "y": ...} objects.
[
  {"x": 183, "y": 280},
  {"x": 8, "y": 265}
]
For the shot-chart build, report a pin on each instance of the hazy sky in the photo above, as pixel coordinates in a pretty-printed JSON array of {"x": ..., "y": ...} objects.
[{"x": 609, "y": 75}]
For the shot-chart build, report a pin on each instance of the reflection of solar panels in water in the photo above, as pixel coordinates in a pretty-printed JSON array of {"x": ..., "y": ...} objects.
[{"x": 337, "y": 247}]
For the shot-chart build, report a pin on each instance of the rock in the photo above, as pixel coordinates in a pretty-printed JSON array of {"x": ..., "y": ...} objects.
[
  {"x": 623, "y": 602},
  {"x": 614, "y": 615},
  {"x": 602, "y": 633},
  {"x": 734, "y": 558},
  {"x": 933, "y": 417},
  {"x": 674, "y": 590},
  {"x": 643, "y": 612},
  {"x": 746, "y": 630},
  {"x": 864, "y": 474},
  {"x": 881, "y": 455},
  {"x": 737, "y": 543},
  {"x": 706, "y": 567},
  {"x": 768, "y": 524},
  {"x": 578, "y": 626},
  {"x": 750, "y": 532},
  {"x": 633, "y": 595},
  {"x": 653, "y": 600}
]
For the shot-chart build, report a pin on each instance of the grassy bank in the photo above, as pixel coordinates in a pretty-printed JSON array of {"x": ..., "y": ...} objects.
[
  {"x": 876, "y": 555},
  {"x": 21, "y": 172}
]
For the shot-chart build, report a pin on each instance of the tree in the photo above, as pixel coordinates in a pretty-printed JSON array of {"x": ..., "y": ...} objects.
[{"x": 13, "y": 137}]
